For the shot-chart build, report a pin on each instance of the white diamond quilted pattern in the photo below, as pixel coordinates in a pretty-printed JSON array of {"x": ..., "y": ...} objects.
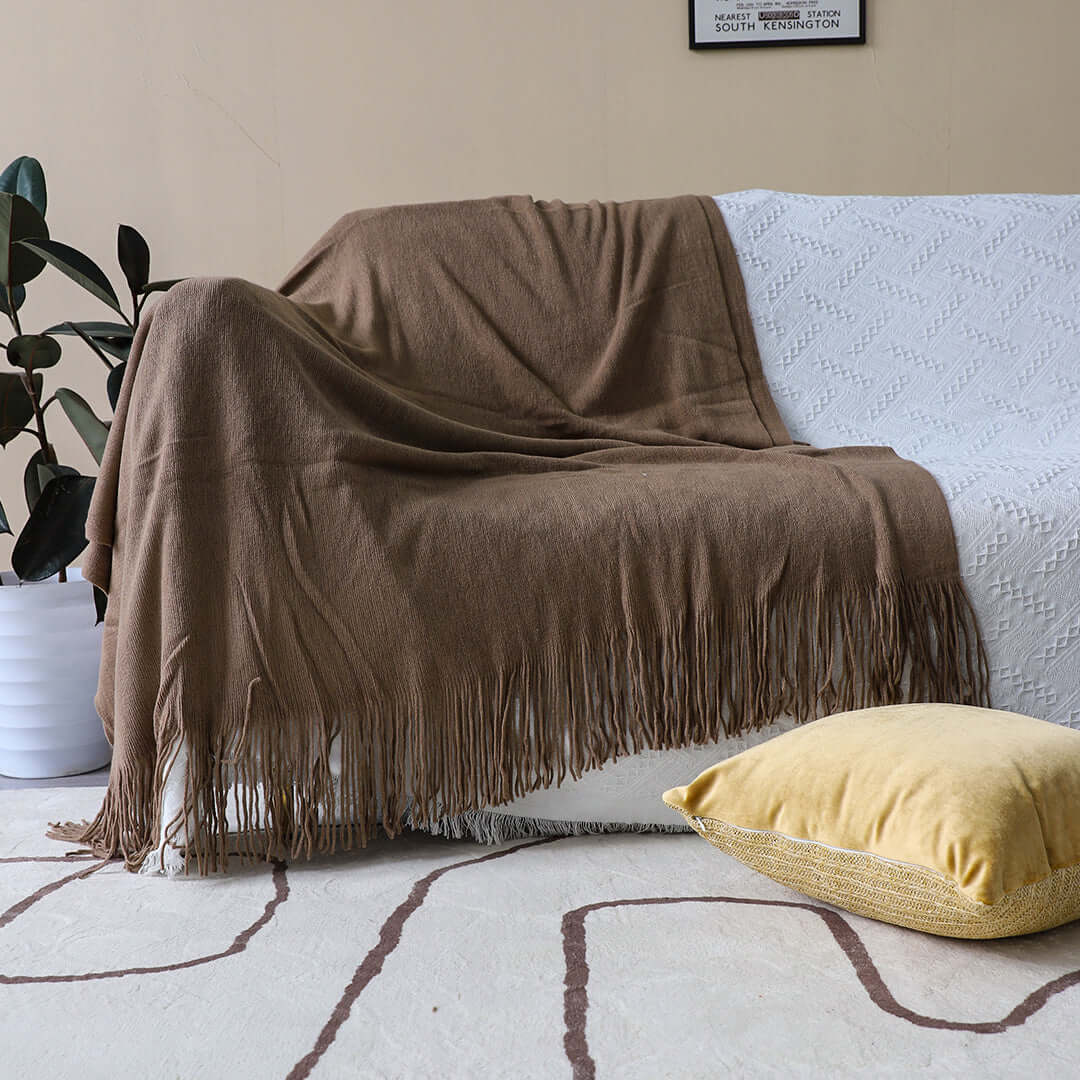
[{"x": 949, "y": 329}]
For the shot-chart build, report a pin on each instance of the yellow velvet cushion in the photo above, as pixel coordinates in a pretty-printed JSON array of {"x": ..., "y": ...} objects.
[{"x": 946, "y": 818}]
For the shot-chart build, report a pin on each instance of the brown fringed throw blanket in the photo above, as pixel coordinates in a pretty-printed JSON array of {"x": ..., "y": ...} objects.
[{"x": 488, "y": 493}]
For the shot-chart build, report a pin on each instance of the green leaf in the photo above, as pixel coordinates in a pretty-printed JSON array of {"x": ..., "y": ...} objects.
[
  {"x": 91, "y": 430},
  {"x": 18, "y": 294},
  {"x": 55, "y": 533},
  {"x": 38, "y": 473},
  {"x": 114, "y": 383},
  {"x": 95, "y": 347},
  {"x": 25, "y": 177},
  {"x": 94, "y": 329},
  {"x": 32, "y": 481},
  {"x": 161, "y": 286},
  {"x": 16, "y": 408},
  {"x": 101, "y": 602},
  {"x": 111, "y": 338},
  {"x": 4, "y": 526},
  {"x": 77, "y": 266},
  {"x": 33, "y": 351},
  {"x": 134, "y": 255},
  {"x": 19, "y": 222},
  {"x": 115, "y": 347}
]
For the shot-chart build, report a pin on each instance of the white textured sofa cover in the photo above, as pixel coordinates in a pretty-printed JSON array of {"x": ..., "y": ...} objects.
[{"x": 949, "y": 329}]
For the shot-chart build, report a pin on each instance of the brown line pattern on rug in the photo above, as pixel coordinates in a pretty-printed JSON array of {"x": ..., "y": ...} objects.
[
  {"x": 240, "y": 943},
  {"x": 576, "y": 997},
  {"x": 28, "y": 902},
  {"x": 389, "y": 939},
  {"x": 74, "y": 856}
]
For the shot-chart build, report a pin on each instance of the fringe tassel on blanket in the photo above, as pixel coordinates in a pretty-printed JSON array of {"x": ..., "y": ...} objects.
[
  {"x": 487, "y": 827},
  {"x": 489, "y": 739}
]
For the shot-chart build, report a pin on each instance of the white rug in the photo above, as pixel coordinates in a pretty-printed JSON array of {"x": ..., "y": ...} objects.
[{"x": 615, "y": 956}]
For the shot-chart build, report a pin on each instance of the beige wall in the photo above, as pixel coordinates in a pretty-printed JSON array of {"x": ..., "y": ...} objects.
[{"x": 232, "y": 133}]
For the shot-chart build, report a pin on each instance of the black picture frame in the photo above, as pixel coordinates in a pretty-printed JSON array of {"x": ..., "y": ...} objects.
[{"x": 858, "y": 39}]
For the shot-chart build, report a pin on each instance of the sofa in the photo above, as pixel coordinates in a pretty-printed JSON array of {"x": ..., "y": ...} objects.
[{"x": 947, "y": 328}]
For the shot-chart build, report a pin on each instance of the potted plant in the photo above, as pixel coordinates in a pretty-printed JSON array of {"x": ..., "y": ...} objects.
[{"x": 49, "y": 638}]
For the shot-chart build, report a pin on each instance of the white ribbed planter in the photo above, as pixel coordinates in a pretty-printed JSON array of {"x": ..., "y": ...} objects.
[{"x": 50, "y": 651}]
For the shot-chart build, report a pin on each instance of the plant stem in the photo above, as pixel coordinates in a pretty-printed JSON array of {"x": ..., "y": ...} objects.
[
  {"x": 47, "y": 452},
  {"x": 90, "y": 341}
]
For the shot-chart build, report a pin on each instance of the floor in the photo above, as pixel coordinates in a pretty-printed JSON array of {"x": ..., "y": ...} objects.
[
  {"x": 93, "y": 779},
  {"x": 620, "y": 956}
]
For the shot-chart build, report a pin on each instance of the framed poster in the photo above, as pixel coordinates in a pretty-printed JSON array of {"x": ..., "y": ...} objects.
[{"x": 726, "y": 24}]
